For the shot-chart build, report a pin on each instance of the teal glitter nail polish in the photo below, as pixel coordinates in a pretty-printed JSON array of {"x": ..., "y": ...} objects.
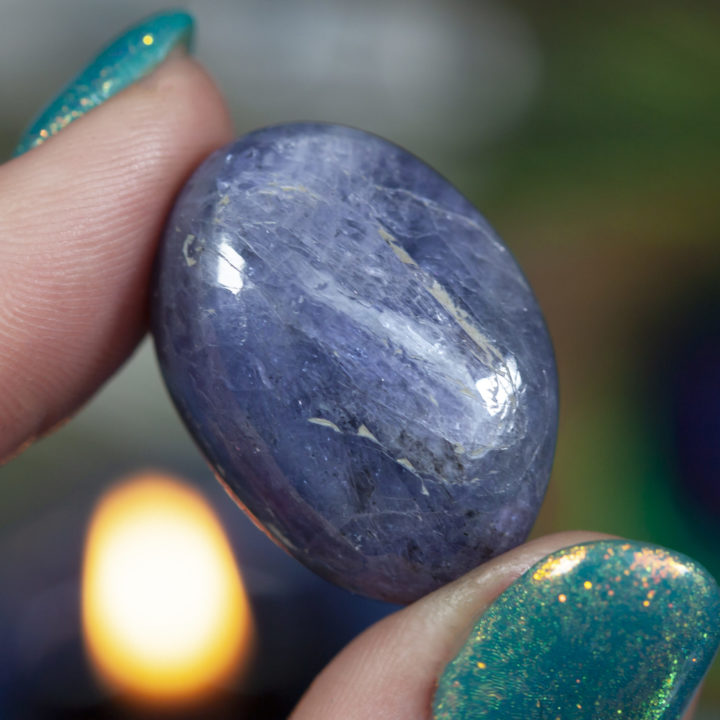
[
  {"x": 134, "y": 54},
  {"x": 610, "y": 629}
]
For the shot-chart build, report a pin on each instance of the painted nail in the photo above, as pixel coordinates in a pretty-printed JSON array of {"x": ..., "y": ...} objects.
[
  {"x": 131, "y": 56},
  {"x": 609, "y": 629}
]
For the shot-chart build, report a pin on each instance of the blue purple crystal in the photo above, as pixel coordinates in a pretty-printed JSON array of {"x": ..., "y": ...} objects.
[{"x": 358, "y": 356}]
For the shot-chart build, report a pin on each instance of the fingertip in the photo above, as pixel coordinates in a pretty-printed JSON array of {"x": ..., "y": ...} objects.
[
  {"x": 579, "y": 623},
  {"x": 80, "y": 216},
  {"x": 391, "y": 670},
  {"x": 178, "y": 107}
]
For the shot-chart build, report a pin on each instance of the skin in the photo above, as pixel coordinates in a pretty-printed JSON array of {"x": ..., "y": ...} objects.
[{"x": 79, "y": 220}]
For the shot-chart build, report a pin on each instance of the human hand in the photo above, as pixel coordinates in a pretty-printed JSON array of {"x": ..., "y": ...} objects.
[{"x": 79, "y": 218}]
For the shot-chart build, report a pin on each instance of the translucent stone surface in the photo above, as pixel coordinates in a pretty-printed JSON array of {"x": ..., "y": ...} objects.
[{"x": 358, "y": 356}]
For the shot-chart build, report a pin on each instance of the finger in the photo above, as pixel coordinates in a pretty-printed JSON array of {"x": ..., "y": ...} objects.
[
  {"x": 570, "y": 638},
  {"x": 79, "y": 219}
]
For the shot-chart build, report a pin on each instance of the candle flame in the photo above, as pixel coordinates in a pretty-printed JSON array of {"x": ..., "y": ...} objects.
[{"x": 165, "y": 615}]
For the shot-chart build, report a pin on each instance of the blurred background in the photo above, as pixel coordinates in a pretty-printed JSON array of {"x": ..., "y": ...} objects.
[{"x": 588, "y": 134}]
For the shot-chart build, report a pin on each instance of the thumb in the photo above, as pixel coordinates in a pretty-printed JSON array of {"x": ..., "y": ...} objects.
[
  {"x": 605, "y": 628},
  {"x": 79, "y": 218}
]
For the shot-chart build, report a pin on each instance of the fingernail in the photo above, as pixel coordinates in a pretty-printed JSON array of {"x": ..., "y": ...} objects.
[
  {"x": 132, "y": 55},
  {"x": 609, "y": 629}
]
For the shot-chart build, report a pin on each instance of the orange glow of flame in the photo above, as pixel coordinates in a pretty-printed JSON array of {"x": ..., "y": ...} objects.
[{"x": 165, "y": 615}]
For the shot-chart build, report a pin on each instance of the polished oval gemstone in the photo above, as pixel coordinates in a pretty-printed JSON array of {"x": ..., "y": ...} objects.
[{"x": 358, "y": 355}]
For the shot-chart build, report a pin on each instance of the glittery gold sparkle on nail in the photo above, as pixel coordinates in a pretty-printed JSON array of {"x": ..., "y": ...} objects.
[
  {"x": 599, "y": 630},
  {"x": 133, "y": 55},
  {"x": 559, "y": 566}
]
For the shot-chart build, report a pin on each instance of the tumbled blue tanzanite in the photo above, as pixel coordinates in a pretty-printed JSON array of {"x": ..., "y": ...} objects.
[{"x": 358, "y": 356}]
